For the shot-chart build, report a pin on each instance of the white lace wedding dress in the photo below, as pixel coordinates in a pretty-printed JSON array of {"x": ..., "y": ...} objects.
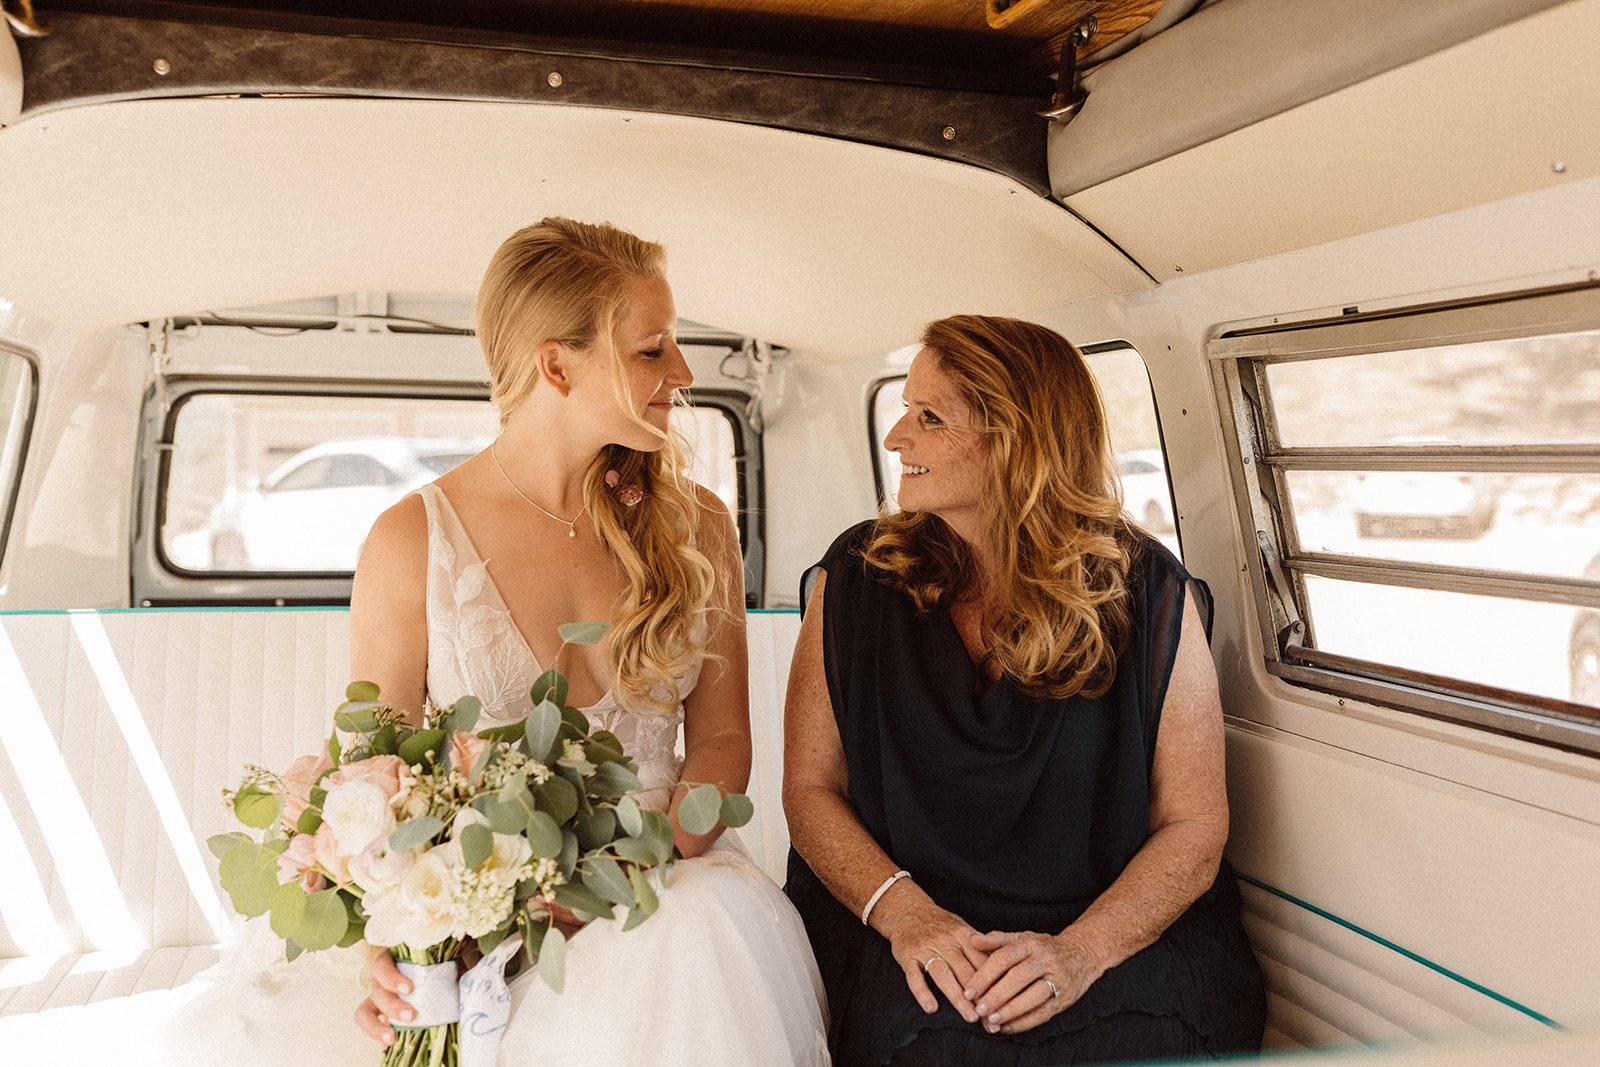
[{"x": 722, "y": 974}]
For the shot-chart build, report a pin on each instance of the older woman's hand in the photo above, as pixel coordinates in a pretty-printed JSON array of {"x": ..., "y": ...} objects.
[
  {"x": 1028, "y": 978},
  {"x": 931, "y": 943}
]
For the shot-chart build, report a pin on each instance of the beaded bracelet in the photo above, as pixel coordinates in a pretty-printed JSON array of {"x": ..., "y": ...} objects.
[{"x": 866, "y": 912}]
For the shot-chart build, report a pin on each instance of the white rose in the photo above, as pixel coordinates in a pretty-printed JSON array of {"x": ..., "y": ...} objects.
[
  {"x": 511, "y": 852},
  {"x": 358, "y": 812},
  {"x": 377, "y": 867},
  {"x": 418, "y": 912},
  {"x": 464, "y": 818}
]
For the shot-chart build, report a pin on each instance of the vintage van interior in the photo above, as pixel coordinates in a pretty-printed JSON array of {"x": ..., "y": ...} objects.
[{"x": 1337, "y": 267}]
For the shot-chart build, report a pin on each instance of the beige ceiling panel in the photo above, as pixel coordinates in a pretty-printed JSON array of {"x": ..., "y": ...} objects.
[
  {"x": 1505, "y": 113},
  {"x": 124, "y": 211}
]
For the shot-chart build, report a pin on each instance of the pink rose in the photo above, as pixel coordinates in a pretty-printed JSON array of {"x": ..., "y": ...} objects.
[
  {"x": 297, "y": 783},
  {"x": 298, "y": 858},
  {"x": 326, "y": 847},
  {"x": 389, "y": 773},
  {"x": 465, "y": 749},
  {"x": 314, "y": 882}
]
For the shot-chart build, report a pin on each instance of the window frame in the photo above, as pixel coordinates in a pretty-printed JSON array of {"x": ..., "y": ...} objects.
[
  {"x": 156, "y": 581},
  {"x": 1278, "y": 565},
  {"x": 10, "y": 494}
]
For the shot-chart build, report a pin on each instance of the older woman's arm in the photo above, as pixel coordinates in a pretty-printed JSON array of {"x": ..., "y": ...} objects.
[
  {"x": 1178, "y": 862},
  {"x": 827, "y": 832}
]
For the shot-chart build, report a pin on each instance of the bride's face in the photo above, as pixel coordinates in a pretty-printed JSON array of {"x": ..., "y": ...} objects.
[{"x": 653, "y": 369}]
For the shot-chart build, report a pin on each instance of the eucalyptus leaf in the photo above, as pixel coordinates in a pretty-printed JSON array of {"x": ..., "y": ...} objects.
[
  {"x": 533, "y": 938},
  {"x": 630, "y": 817},
  {"x": 288, "y": 910},
  {"x": 357, "y": 718},
  {"x": 477, "y": 845},
  {"x": 415, "y": 832},
  {"x": 605, "y": 877},
  {"x": 361, "y": 692},
  {"x": 614, "y": 777},
  {"x": 595, "y": 828},
  {"x": 334, "y": 748},
  {"x": 507, "y": 814},
  {"x": 636, "y": 850},
  {"x": 308, "y": 822},
  {"x": 583, "y": 901},
  {"x": 602, "y": 746},
  {"x": 557, "y": 798},
  {"x": 481, "y": 764},
  {"x": 635, "y": 917},
  {"x": 551, "y": 686},
  {"x": 324, "y": 922},
  {"x": 414, "y": 748},
  {"x": 697, "y": 814},
  {"x": 383, "y": 741},
  {"x": 658, "y": 834},
  {"x": 582, "y": 633},
  {"x": 354, "y": 931},
  {"x": 737, "y": 810},
  {"x": 222, "y": 844},
  {"x": 464, "y": 713},
  {"x": 257, "y": 806},
  {"x": 544, "y": 836},
  {"x": 576, "y": 720},
  {"x": 553, "y": 960},
  {"x": 291, "y": 950},
  {"x": 542, "y": 726},
  {"x": 643, "y": 893},
  {"x": 491, "y": 940},
  {"x": 510, "y": 734},
  {"x": 567, "y": 862}
]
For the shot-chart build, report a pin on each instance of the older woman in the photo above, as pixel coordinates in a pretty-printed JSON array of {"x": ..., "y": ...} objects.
[{"x": 1004, "y": 747}]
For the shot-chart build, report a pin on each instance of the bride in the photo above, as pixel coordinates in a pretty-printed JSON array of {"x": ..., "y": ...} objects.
[{"x": 578, "y": 512}]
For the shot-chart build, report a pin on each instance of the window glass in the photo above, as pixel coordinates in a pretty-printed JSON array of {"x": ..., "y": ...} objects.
[
  {"x": 16, "y": 408},
  {"x": 283, "y": 483},
  {"x": 1461, "y": 485},
  {"x": 1524, "y": 390},
  {"x": 1135, "y": 438}
]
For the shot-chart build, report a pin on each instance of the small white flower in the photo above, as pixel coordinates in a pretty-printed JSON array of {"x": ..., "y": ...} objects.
[{"x": 378, "y": 867}]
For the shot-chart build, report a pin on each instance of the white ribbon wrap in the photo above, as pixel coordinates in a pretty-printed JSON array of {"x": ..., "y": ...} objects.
[{"x": 480, "y": 1002}]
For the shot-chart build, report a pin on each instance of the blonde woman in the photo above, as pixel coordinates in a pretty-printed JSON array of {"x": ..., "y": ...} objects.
[
  {"x": 1004, "y": 771},
  {"x": 579, "y": 511}
]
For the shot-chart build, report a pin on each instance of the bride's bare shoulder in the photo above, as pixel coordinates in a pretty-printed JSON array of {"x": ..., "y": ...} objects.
[{"x": 397, "y": 545}]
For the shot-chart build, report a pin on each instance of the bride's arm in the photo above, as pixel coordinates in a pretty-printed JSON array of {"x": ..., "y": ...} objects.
[
  {"x": 716, "y": 724},
  {"x": 388, "y": 607}
]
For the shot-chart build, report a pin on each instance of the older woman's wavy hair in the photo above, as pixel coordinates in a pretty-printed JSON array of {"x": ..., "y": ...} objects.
[
  {"x": 1059, "y": 609},
  {"x": 568, "y": 281}
]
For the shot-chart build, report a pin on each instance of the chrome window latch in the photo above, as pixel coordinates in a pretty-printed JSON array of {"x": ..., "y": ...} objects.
[{"x": 1070, "y": 95}]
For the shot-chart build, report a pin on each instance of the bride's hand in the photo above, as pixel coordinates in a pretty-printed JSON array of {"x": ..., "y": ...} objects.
[{"x": 385, "y": 984}]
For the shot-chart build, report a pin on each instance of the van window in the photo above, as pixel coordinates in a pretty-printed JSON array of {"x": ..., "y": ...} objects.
[
  {"x": 1426, "y": 493},
  {"x": 287, "y": 483},
  {"x": 1124, "y": 384},
  {"x": 17, "y": 391}
]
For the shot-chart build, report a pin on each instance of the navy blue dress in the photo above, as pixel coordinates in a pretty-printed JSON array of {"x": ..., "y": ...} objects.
[{"x": 1015, "y": 814}]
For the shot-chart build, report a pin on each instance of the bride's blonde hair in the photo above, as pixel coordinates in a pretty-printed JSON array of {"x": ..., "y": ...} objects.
[
  {"x": 566, "y": 281},
  {"x": 1061, "y": 610}
]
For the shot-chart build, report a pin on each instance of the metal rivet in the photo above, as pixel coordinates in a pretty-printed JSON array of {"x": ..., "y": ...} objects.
[
  {"x": 1177, "y": 269},
  {"x": 554, "y": 79},
  {"x": 1559, "y": 167},
  {"x": 162, "y": 67},
  {"x": 949, "y": 133}
]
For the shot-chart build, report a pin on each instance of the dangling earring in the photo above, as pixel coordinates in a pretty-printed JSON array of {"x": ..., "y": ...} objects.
[{"x": 629, "y": 494}]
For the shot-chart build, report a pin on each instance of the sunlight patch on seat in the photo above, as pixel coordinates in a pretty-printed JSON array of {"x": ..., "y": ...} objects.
[
  {"x": 69, "y": 833},
  {"x": 23, "y": 906},
  {"x": 91, "y": 634}
]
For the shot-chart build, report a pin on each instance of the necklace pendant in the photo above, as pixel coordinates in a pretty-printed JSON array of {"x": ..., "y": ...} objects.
[{"x": 571, "y": 532}]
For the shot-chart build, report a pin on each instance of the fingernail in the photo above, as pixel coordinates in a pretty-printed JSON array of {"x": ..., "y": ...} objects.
[
  {"x": 995, "y": 1018},
  {"x": 983, "y": 1009},
  {"x": 408, "y": 1015},
  {"x": 405, "y": 987},
  {"x": 968, "y": 993},
  {"x": 382, "y": 1018}
]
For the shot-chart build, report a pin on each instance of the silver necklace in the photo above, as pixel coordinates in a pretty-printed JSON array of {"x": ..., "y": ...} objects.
[{"x": 571, "y": 526}]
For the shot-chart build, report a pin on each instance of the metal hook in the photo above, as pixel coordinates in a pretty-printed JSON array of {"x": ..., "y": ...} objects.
[{"x": 1069, "y": 95}]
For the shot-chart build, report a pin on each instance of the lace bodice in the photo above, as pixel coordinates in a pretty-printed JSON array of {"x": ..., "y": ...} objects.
[{"x": 475, "y": 648}]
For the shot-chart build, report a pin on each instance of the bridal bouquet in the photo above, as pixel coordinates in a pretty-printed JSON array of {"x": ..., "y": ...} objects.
[{"x": 430, "y": 839}]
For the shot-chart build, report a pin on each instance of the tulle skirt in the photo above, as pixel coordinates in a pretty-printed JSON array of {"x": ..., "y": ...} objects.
[{"x": 722, "y": 974}]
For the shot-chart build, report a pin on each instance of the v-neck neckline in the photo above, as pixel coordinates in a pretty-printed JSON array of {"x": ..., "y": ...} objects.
[{"x": 606, "y": 698}]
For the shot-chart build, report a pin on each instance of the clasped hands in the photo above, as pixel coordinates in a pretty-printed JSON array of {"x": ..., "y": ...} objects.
[{"x": 1008, "y": 982}]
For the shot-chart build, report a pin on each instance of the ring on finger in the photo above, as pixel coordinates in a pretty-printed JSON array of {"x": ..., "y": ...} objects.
[
  {"x": 1054, "y": 992},
  {"x": 929, "y": 962}
]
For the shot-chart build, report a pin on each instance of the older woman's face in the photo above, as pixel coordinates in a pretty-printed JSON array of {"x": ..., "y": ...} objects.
[{"x": 942, "y": 448}]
